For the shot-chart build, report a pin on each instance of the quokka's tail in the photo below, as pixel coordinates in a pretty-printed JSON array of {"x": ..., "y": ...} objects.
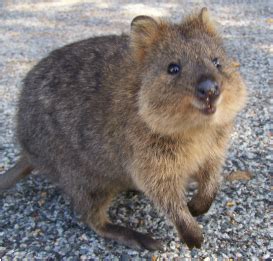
[{"x": 21, "y": 169}]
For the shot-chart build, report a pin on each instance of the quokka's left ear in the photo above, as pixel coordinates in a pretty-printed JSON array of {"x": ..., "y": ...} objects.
[
  {"x": 200, "y": 21},
  {"x": 207, "y": 22}
]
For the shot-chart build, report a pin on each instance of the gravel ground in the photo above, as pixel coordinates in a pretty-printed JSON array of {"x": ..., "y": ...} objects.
[{"x": 36, "y": 221}]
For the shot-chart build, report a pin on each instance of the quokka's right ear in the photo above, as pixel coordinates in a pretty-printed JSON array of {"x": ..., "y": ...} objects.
[{"x": 144, "y": 31}]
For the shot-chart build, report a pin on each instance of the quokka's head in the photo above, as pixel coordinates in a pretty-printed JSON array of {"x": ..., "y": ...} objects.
[{"x": 187, "y": 80}]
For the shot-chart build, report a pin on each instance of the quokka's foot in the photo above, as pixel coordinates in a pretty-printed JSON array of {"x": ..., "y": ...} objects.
[{"x": 130, "y": 238}]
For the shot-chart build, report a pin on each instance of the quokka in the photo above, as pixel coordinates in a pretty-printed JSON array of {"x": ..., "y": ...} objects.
[{"x": 147, "y": 111}]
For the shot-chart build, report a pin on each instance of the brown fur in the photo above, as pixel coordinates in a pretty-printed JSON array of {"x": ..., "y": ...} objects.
[{"x": 103, "y": 115}]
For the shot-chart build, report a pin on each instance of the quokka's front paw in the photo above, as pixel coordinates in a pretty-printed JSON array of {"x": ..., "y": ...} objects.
[
  {"x": 193, "y": 237},
  {"x": 197, "y": 209}
]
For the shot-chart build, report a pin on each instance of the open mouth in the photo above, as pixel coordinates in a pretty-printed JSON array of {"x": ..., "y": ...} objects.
[
  {"x": 207, "y": 93},
  {"x": 208, "y": 107}
]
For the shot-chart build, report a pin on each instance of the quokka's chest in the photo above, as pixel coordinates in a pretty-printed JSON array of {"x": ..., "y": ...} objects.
[{"x": 185, "y": 155}]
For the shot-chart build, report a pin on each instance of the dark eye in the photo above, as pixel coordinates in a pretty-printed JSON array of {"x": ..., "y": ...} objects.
[
  {"x": 173, "y": 68},
  {"x": 216, "y": 62}
]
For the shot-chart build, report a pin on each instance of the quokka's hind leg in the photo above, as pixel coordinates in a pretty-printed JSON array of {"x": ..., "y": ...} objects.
[
  {"x": 129, "y": 237},
  {"x": 96, "y": 217}
]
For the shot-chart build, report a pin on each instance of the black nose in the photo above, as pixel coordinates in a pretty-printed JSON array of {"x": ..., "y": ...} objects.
[{"x": 207, "y": 89}]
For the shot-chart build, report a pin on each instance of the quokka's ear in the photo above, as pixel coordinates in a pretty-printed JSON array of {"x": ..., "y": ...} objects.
[
  {"x": 144, "y": 31},
  {"x": 207, "y": 22},
  {"x": 200, "y": 21}
]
